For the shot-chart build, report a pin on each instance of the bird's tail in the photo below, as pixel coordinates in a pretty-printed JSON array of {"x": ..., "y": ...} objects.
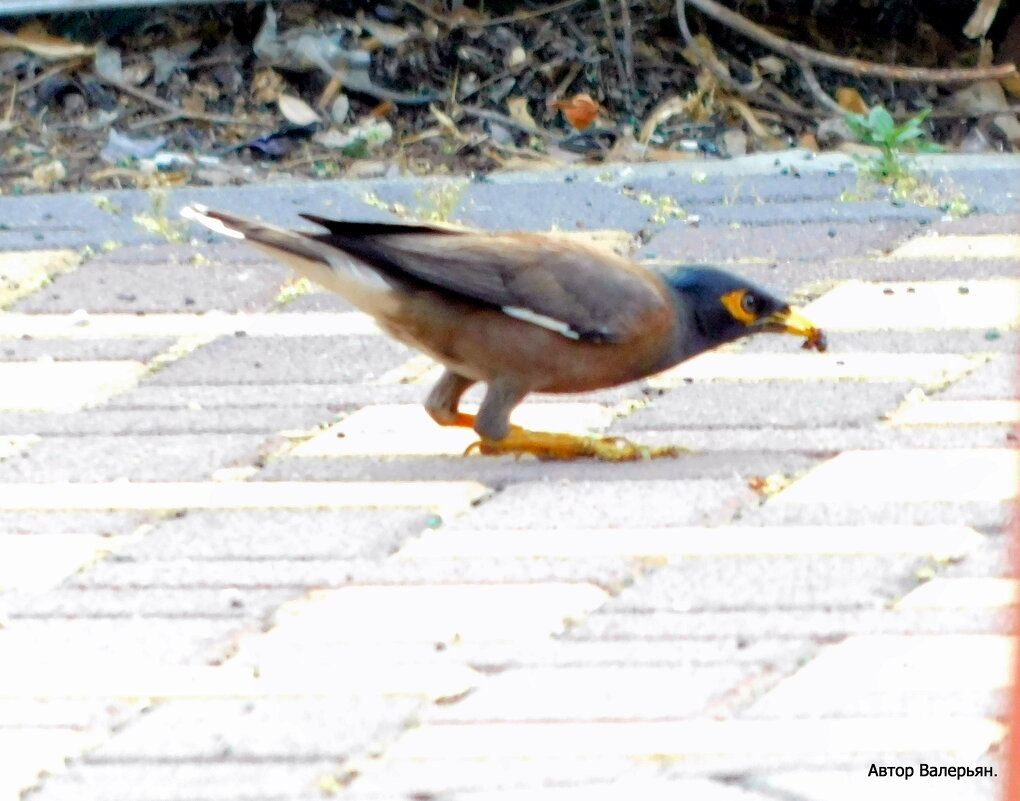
[
  {"x": 307, "y": 253},
  {"x": 277, "y": 241}
]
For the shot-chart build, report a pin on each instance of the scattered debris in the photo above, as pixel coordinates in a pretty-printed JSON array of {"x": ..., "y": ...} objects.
[{"x": 221, "y": 94}]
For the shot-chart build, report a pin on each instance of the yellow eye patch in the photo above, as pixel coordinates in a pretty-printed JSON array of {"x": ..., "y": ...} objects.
[{"x": 734, "y": 303}]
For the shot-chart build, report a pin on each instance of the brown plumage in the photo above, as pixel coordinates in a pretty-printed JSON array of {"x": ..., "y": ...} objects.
[{"x": 521, "y": 312}]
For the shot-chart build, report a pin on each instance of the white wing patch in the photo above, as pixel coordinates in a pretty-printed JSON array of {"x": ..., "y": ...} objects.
[
  {"x": 358, "y": 270},
  {"x": 551, "y": 323}
]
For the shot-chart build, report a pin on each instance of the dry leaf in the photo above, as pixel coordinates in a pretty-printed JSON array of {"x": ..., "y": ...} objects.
[
  {"x": 668, "y": 108},
  {"x": 515, "y": 58},
  {"x": 108, "y": 63},
  {"x": 266, "y": 86},
  {"x": 384, "y": 33},
  {"x": 296, "y": 110},
  {"x": 34, "y": 38},
  {"x": 850, "y": 100},
  {"x": 580, "y": 110},
  {"x": 772, "y": 66},
  {"x": 518, "y": 107}
]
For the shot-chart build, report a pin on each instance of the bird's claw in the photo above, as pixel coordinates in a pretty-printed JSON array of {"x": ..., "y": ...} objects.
[{"x": 553, "y": 446}]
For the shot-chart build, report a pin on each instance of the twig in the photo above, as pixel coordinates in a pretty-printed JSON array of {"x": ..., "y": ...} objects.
[
  {"x": 981, "y": 20},
  {"x": 708, "y": 59},
  {"x": 816, "y": 88},
  {"x": 503, "y": 119},
  {"x": 176, "y": 112},
  {"x": 853, "y": 66},
  {"x": 482, "y": 23},
  {"x": 614, "y": 46},
  {"x": 628, "y": 52}
]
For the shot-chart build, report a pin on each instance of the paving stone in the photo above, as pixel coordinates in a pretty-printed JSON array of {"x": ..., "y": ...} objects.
[
  {"x": 407, "y": 429},
  {"x": 788, "y": 276},
  {"x": 715, "y": 462},
  {"x": 807, "y": 241},
  {"x": 962, "y": 593},
  {"x": 442, "y": 613},
  {"x": 81, "y": 326},
  {"x": 993, "y": 558},
  {"x": 223, "y": 575},
  {"x": 317, "y": 300},
  {"x": 960, "y": 246},
  {"x": 856, "y": 305},
  {"x": 149, "y": 602},
  {"x": 150, "y": 421},
  {"x": 64, "y": 386},
  {"x": 31, "y": 752},
  {"x": 728, "y": 366},
  {"x": 594, "y": 693},
  {"x": 139, "y": 350},
  {"x": 21, "y": 274},
  {"x": 125, "y": 285},
  {"x": 332, "y": 534},
  {"x": 854, "y": 343},
  {"x": 977, "y": 223},
  {"x": 770, "y": 404},
  {"x": 821, "y": 624},
  {"x": 251, "y": 360},
  {"x": 609, "y": 504},
  {"x": 569, "y": 651},
  {"x": 534, "y": 207},
  {"x": 947, "y": 413},
  {"x": 770, "y": 582},
  {"x": 104, "y": 524},
  {"x": 114, "y": 641},
  {"x": 677, "y": 740},
  {"x": 903, "y": 675},
  {"x": 835, "y": 785},
  {"x": 981, "y": 515},
  {"x": 167, "y": 457},
  {"x": 996, "y": 379},
  {"x": 441, "y": 497},
  {"x": 806, "y": 212},
  {"x": 650, "y": 790},
  {"x": 65, "y": 713},
  {"x": 744, "y": 190},
  {"x": 223, "y": 780},
  {"x": 679, "y": 544},
  {"x": 756, "y": 449},
  {"x": 40, "y": 561},
  {"x": 269, "y": 396},
  {"x": 264, "y": 729},
  {"x": 988, "y": 475}
]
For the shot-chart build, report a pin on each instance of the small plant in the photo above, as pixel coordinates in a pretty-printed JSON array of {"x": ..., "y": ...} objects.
[{"x": 878, "y": 128}]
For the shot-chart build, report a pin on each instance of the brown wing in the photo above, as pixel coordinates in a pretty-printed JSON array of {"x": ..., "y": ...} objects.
[{"x": 586, "y": 291}]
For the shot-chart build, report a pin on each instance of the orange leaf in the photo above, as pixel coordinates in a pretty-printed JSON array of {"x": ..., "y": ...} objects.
[
  {"x": 580, "y": 110},
  {"x": 851, "y": 100}
]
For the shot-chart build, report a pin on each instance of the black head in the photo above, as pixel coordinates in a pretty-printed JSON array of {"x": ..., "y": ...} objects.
[{"x": 725, "y": 307}]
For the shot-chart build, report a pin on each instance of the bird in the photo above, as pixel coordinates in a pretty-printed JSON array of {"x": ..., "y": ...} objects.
[{"x": 522, "y": 312}]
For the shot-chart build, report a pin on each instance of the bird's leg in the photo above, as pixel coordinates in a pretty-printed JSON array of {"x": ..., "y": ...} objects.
[
  {"x": 498, "y": 436},
  {"x": 442, "y": 402}
]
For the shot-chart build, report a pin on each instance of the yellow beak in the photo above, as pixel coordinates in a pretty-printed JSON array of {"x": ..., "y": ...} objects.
[{"x": 792, "y": 321}]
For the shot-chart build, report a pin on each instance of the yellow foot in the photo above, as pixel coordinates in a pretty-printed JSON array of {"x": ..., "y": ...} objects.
[{"x": 547, "y": 446}]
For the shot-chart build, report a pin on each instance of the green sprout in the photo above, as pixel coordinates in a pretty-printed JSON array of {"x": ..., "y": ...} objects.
[{"x": 878, "y": 128}]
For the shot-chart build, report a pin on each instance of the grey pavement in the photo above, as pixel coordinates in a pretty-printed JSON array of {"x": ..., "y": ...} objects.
[{"x": 234, "y": 565}]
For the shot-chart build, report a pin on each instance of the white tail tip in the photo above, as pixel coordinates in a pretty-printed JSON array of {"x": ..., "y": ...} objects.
[{"x": 198, "y": 214}]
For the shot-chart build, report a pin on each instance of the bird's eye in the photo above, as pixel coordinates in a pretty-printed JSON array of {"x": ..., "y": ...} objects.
[{"x": 750, "y": 303}]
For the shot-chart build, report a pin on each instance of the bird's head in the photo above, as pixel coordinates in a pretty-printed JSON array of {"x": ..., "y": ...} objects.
[{"x": 725, "y": 307}]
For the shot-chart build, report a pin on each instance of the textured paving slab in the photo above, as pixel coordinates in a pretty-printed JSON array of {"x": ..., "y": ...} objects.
[{"x": 303, "y": 590}]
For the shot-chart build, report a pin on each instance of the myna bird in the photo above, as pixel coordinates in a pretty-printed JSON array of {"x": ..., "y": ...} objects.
[{"x": 522, "y": 312}]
